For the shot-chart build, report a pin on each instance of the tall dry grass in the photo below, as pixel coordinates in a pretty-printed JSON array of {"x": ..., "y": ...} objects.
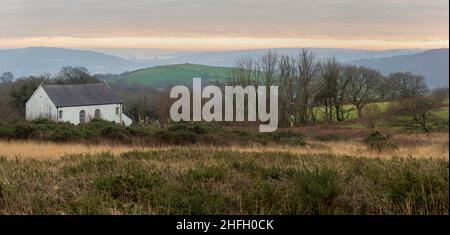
[
  {"x": 206, "y": 181},
  {"x": 432, "y": 145}
]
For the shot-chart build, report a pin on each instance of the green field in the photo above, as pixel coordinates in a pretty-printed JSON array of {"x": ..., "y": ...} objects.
[
  {"x": 439, "y": 120},
  {"x": 352, "y": 112},
  {"x": 178, "y": 74}
]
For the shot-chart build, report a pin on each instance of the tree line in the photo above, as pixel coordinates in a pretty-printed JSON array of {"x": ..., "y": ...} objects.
[{"x": 309, "y": 87}]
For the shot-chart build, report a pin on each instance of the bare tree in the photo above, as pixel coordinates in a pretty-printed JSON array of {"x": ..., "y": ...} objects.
[
  {"x": 364, "y": 86},
  {"x": 406, "y": 85},
  {"x": 286, "y": 70},
  {"x": 308, "y": 69},
  {"x": 243, "y": 73},
  {"x": 161, "y": 105},
  {"x": 371, "y": 116},
  {"x": 268, "y": 66},
  {"x": 7, "y": 110},
  {"x": 334, "y": 89},
  {"x": 328, "y": 79},
  {"x": 75, "y": 75},
  {"x": 418, "y": 109}
]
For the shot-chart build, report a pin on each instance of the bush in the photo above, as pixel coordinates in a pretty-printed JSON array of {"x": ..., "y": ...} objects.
[
  {"x": 182, "y": 133},
  {"x": 330, "y": 137},
  {"x": 64, "y": 134},
  {"x": 419, "y": 111},
  {"x": 371, "y": 115},
  {"x": 179, "y": 137},
  {"x": 187, "y": 127},
  {"x": 24, "y": 130},
  {"x": 316, "y": 189},
  {"x": 178, "y": 133},
  {"x": 378, "y": 142},
  {"x": 130, "y": 188},
  {"x": 6, "y": 131},
  {"x": 109, "y": 130},
  {"x": 287, "y": 137},
  {"x": 412, "y": 187}
]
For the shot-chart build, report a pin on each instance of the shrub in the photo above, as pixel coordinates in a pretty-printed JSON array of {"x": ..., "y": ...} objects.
[
  {"x": 265, "y": 198},
  {"x": 316, "y": 189},
  {"x": 412, "y": 187},
  {"x": 24, "y": 130},
  {"x": 180, "y": 137},
  {"x": 130, "y": 188},
  {"x": 204, "y": 173},
  {"x": 108, "y": 129},
  {"x": 6, "y": 131},
  {"x": 371, "y": 115},
  {"x": 330, "y": 137},
  {"x": 378, "y": 142},
  {"x": 419, "y": 111},
  {"x": 178, "y": 133},
  {"x": 64, "y": 134},
  {"x": 286, "y": 137}
]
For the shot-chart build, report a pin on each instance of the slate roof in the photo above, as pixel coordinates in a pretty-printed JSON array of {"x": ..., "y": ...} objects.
[{"x": 80, "y": 95}]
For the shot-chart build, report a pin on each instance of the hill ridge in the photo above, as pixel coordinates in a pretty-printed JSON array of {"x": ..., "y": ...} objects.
[{"x": 433, "y": 64}]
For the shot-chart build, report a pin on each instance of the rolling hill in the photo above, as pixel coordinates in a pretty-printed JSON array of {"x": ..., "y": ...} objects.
[
  {"x": 39, "y": 60},
  {"x": 228, "y": 58},
  {"x": 432, "y": 64},
  {"x": 178, "y": 74}
]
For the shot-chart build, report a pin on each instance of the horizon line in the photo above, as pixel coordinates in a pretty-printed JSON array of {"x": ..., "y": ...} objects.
[
  {"x": 218, "y": 50},
  {"x": 220, "y": 43}
]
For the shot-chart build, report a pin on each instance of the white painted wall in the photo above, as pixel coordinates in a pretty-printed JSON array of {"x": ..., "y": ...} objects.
[
  {"x": 107, "y": 112},
  {"x": 40, "y": 106},
  {"x": 126, "y": 120}
]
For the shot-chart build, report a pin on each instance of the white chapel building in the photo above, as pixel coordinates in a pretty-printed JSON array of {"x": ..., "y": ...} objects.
[{"x": 76, "y": 104}]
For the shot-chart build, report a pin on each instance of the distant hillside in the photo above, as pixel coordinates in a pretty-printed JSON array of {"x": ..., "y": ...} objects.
[
  {"x": 228, "y": 58},
  {"x": 39, "y": 60},
  {"x": 178, "y": 74},
  {"x": 432, "y": 64}
]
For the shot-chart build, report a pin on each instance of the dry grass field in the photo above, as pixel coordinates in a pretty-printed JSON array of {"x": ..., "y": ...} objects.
[
  {"x": 333, "y": 171},
  {"x": 419, "y": 145},
  {"x": 205, "y": 181}
]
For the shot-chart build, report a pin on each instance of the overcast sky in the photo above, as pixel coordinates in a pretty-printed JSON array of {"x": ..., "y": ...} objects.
[{"x": 225, "y": 24}]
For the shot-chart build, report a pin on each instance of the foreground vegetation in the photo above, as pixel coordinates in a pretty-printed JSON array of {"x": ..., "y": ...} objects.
[
  {"x": 97, "y": 131},
  {"x": 182, "y": 181}
]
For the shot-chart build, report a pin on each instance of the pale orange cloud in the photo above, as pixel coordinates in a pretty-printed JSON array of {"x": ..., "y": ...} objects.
[{"x": 216, "y": 43}]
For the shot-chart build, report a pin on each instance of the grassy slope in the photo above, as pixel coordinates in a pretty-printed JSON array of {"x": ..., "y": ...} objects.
[{"x": 179, "y": 74}]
